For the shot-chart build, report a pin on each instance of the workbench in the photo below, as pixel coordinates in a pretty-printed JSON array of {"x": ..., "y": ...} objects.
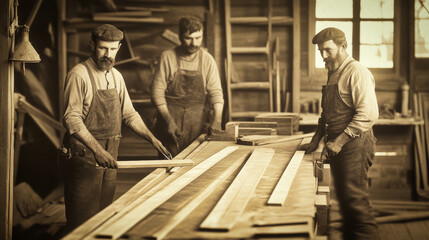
[{"x": 295, "y": 219}]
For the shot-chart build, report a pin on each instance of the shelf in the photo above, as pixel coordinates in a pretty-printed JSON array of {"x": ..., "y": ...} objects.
[
  {"x": 249, "y": 50},
  {"x": 261, "y": 20},
  {"x": 251, "y": 85}
]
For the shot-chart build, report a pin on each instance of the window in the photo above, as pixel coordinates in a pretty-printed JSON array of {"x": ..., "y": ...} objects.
[
  {"x": 368, "y": 26},
  {"x": 421, "y": 15}
]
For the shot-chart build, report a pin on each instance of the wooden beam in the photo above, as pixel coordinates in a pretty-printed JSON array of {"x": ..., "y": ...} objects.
[
  {"x": 281, "y": 191},
  {"x": 124, "y": 14},
  {"x": 171, "y": 36},
  {"x": 154, "y": 163},
  {"x": 128, "y": 19},
  {"x": 121, "y": 223},
  {"x": 6, "y": 121},
  {"x": 296, "y": 74},
  {"x": 233, "y": 202},
  {"x": 404, "y": 217},
  {"x": 200, "y": 197}
]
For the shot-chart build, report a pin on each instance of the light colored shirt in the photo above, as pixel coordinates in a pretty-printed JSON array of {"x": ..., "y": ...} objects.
[
  {"x": 168, "y": 67},
  {"x": 78, "y": 95},
  {"x": 357, "y": 89}
]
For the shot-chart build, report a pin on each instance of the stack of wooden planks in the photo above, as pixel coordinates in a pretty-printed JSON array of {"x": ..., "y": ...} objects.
[
  {"x": 288, "y": 123},
  {"x": 244, "y": 128},
  {"x": 421, "y": 146},
  {"x": 224, "y": 195}
]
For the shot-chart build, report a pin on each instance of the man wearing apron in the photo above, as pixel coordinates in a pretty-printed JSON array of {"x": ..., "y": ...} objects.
[
  {"x": 96, "y": 102},
  {"x": 186, "y": 79},
  {"x": 349, "y": 110}
]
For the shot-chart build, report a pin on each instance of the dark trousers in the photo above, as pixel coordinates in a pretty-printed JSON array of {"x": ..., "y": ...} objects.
[
  {"x": 350, "y": 172},
  {"x": 87, "y": 190}
]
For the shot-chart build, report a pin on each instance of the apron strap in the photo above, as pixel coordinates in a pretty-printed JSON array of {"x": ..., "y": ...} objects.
[{"x": 94, "y": 90}]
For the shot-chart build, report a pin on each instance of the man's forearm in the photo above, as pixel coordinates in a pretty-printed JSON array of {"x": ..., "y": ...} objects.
[
  {"x": 217, "y": 115},
  {"x": 165, "y": 114},
  {"x": 319, "y": 134},
  {"x": 86, "y": 138},
  {"x": 140, "y": 128}
]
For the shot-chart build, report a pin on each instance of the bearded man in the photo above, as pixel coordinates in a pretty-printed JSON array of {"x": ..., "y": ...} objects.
[
  {"x": 96, "y": 102},
  {"x": 349, "y": 111}
]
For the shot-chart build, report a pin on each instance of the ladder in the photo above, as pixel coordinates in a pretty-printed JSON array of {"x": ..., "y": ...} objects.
[{"x": 234, "y": 84}]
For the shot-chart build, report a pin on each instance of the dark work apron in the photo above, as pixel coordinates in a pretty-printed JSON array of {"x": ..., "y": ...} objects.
[
  {"x": 350, "y": 166},
  {"x": 89, "y": 187},
  {"x": 186, "y": 102}
]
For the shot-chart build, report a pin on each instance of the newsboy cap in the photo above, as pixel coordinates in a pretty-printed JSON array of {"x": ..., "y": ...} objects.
[
  {"x": 107, "y": 32},
  {"x": 327, "y": 34}
]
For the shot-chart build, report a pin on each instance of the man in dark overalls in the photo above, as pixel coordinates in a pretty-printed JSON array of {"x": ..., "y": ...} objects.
[
  {"x": 187, "y": 77},
  {"x": 96, "y": 102},
  {"x": 350, "y": 109}
]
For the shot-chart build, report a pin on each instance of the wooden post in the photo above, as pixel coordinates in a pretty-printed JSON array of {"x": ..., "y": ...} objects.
[{"x": 6, "y": 121}]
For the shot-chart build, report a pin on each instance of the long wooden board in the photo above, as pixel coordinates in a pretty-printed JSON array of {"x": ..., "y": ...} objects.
[
  {"x": 140, "y": 188},
  {"x": 281, "y": 191},
  {"x": 116, "y": 227},
  {"x": 154, "y": 163},
  {"x": 195, "y": 202},
  {"x": 228, "y": 209}
]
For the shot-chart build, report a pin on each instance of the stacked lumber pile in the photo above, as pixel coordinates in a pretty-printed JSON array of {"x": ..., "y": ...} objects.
[
  {"x": 287, "y": 123},
  {"x": 223, "y": 196},
  {"x": 243, "y": 128}
]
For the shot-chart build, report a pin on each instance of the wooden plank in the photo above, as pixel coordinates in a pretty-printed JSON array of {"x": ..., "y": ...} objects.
[
  {"x": 116, "y": 227},
  {"x": 154, "y": 163},
  {"x": 124, "y": 14},
  {"x": 256, "y": 140},
  {"x": 190, "y": 151},
  {"x": 296, "y": 73},
  {"x": 256, "y": 131},
  {"x": 281, "y": 191},
  {"x": 171, "y": 36},
  {"x": 195, "y": 202},
  {"x": 425, "y": 114},
  {"x": 228, "y": 209},
  {"x": 101, "y": 217},
  {"x": 403, "y": 217},
  {"x": 128, "y": 19},
  {"x": 6, "y": 121}
]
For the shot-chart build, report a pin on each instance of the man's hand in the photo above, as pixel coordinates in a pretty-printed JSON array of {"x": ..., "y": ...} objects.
[
  {"x": 334, "y": 147},
  {"x": 309, "y": 147},
  {"x": 213, "y": 129},
  {"x": 104, "y": 159},
  {"x": 160, "y": 148},
  {"x": 174, "y": 131}
]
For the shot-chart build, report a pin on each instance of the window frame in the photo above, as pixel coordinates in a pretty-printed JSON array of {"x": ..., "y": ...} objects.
[{"x": 319, "y": 74}]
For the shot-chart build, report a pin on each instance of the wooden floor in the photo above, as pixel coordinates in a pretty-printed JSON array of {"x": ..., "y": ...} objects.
[{"x": 411, "y": 230}]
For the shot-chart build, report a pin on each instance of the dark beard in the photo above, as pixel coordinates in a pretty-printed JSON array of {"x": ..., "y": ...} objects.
[{"x": 105, "y": 63}]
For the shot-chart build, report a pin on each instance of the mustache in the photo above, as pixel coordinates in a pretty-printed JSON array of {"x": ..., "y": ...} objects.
[{"x": 106, "y": 59}]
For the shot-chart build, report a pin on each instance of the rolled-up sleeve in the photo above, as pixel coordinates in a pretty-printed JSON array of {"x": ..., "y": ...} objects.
[
  {"x": 214, "y": 87},
  {"x": 159, "y": 84},
  {"x": 73, "y": 101},
  {"x": 365, "y": 102}
]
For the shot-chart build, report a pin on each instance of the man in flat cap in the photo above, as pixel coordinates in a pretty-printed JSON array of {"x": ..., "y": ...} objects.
[
  {"x": 96, "y": 102},
  {"x": 186, "y": 79},
  {"x": 350, "y": 109}
]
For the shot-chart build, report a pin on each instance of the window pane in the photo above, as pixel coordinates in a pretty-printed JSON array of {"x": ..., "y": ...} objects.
[
  {"x": 376, "y": 32},
  {"x": 377, "y": 56},
  {"x": 421, "y": 31},
  {"x": 376, "y": 49},
  {"x": 376, "y": 8},
  {"x": 333, "y": 9},
  {"x": 346, "y": 27}
]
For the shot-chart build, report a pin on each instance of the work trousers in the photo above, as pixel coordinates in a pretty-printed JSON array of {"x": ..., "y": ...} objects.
[
  {"x": 87, "y": 190},
  {"x": 350, "y": 172}
]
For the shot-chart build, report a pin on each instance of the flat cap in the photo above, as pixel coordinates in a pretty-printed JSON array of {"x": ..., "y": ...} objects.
[
  {"x": 107, "y": 32},
  {"x": 327, "y": 34}
]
